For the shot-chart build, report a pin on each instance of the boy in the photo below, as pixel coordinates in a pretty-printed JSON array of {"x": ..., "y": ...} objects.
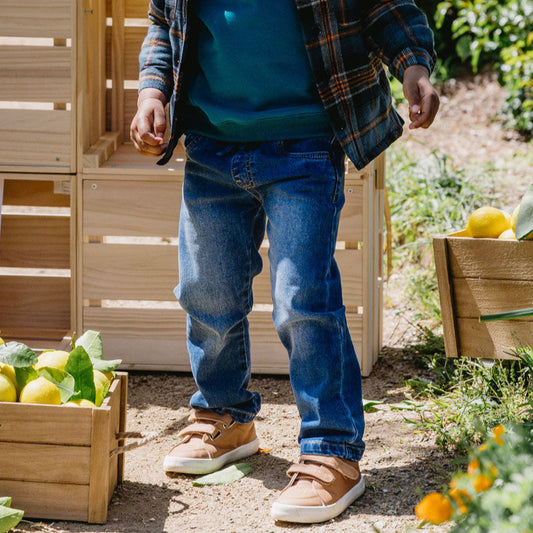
[{"x": 271, "y": 97}]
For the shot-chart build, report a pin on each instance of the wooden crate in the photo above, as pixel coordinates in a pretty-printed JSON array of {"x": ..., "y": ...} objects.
[
  {"x": 37, "y": 258},
  {"x": 480, "y": 277},
  {"x": 55, "y": 461},
  {"x": 128, "y": 214},
  {"x": 38, "y": 86}
]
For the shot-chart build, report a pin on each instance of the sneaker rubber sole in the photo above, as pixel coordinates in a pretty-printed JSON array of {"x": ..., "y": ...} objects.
[
  {"x": 304, "y": 514},
  {"x": 184, "y": 465}
]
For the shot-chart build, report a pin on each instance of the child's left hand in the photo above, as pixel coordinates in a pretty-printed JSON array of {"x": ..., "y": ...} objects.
[{"x": 421, "y": 95}]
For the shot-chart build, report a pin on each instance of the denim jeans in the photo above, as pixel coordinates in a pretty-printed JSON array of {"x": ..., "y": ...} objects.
[{"x": 231, "y": 191}]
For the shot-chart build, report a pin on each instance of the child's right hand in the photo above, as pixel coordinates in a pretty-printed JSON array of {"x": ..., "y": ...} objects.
[{"x": 149, "y": 123}]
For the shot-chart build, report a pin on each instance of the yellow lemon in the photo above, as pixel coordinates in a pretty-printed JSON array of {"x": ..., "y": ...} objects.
[
  {"x": 100, "y": 381},
  {"x": 2, "y": 341},
  {"x": 54, "y": 359},
  {"x": 80, "y": 403},
  {"x": 514, "y": 216},
  {"x": 9, "y": 371},
  {"x": 40, "y": 390},
  {"x": 508, "y": 234},
  {"x": 8, "y": 393},
  {"x": 488, "y": 222}
]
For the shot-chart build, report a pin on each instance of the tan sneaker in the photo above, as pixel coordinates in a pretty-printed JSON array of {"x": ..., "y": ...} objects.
[
  {"x": 211, "y": 441},
  {"x": 321, "y": 488}
]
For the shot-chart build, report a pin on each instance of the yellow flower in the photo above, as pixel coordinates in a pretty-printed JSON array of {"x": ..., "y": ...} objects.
[
  {"x": 498, "y": 431},
  {"x": 482, "y": 482},
  {"x": 483, "y": 447},
  {"x": 435, "y": 508},
  {"x": 457, "y": 496}
]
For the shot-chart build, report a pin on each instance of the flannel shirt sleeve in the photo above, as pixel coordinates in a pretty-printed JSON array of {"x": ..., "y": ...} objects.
[
  {"x": 398, "y": 32},
  {"x": 155, "y": 58}
]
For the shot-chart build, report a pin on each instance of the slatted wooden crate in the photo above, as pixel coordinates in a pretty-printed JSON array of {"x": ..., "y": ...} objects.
[
  {"x": 38, "y": 86},
  {"x": 55, "y": 461},
  {"x": 128, "y": 211},
  {"x": 36, "y": 258},
  {"x": 481, "y": 277}
]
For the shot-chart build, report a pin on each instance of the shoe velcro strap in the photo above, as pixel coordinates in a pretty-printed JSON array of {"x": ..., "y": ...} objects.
[
  {"x": 199, "y": 428},
  {"x": 336, "y": 463},
  {"x": 209, "y": 416},
  {"x": 314, "y": 471}
]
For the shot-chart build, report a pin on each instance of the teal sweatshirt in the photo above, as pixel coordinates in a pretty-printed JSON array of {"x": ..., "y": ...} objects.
[{"x": 254, "y": 80}]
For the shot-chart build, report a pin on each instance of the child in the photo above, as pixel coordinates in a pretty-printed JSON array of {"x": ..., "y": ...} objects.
[{"x": 271, "y": 96}]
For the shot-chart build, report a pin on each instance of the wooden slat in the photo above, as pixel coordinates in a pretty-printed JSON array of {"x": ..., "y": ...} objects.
[
  {"x": 33, "y": 193},
  {"x": 35, "y": 18},
  {"x": 44, "y": 423},
  {"x": 132, "y": 333},
  {"x": 131, "y": 208},
  {"x": 475, "y": 297},
  {"x": 45, "y": 463},
  {"x": 493, "y": 339},
  {"x": 99, "y": 466},
  {"x": 35, "y": 137},
  {"x": 351, "y": 222},
  {"x": 136, "y": 8},
  {"x": 133, "y": 39},
  {"x": 490, "y": 258},
  {"x": 57, "y": 501},
  {"x": 35, "y": 241},
  {"x": 36, "y": 74},
  {"x": 38, "y": 339},
  {"x": 117, "y": 67},
  {"x": 440, "y": 250},
  {"x": 36, "y": 301},
  {"x": 129, "y": 272}
]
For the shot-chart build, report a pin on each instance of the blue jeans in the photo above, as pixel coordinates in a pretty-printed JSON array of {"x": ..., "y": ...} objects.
[{"x": 230, "y": 190}]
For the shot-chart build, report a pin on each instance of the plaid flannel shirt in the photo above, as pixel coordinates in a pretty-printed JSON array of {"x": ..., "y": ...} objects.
[{"x": 347, "y": 43}]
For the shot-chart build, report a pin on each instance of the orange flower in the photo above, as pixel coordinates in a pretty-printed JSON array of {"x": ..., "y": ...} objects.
[
  {"x": 435, "y": 508},
  {"x": 457, "y": 494},
  {"x": 483, "y": 447},
  {"x": 482, "y": 483},
  {"x": 498, "y": 431},
  {"x": 473, "y": 466}
]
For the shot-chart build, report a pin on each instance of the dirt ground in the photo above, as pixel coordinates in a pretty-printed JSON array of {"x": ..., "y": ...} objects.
[{"x": 399, "y": 464}]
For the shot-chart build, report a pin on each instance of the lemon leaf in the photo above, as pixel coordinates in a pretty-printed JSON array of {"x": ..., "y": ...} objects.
[
  {"x": 106, "y": 365},
  {"x": 524, "y": 221},
  {"x": 225, "y": 476},
  {"x": 24, "y": 375},
  {"x": 61, "y": 379},
  {"x": 80, "y": 367},
  {"x": 369, "y": 405},
  {"x": 17, "y": 354},
  {"x": 6, "y": 501},
  {"x": 9, "y": 518},
  {"x": 92, "y": 342}
]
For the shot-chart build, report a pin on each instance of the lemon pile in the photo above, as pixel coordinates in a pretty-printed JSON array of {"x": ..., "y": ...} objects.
[
  {"x": 492, "y": 223},
  {"x": 43, "y": 391}
]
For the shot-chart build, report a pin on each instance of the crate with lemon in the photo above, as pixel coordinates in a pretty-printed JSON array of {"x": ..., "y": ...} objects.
[
  {"x": 485, "y": 278},
  {"x": 62, "y": 425}
]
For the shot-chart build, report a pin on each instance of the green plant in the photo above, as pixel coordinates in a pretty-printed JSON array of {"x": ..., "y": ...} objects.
[
  {"x": 470, "y": 396},
  {"x": 495, "y": 494}
]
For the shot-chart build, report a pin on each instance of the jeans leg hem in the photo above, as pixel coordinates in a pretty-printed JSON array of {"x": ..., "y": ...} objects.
[{"x": 342, "y": 450}]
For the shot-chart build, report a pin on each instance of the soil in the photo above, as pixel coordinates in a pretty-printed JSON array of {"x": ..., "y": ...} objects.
[{"x": 400, "y": 464}]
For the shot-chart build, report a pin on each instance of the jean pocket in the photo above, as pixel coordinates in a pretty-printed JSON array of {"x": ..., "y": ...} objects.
[
  {"x": 191, "y": 140},
  {"x": 313, "y": 148}
]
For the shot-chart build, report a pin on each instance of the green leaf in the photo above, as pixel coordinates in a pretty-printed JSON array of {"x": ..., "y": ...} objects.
[
  {"x": 369, "y": 405},
  {"x": 24, "y": 375},
  {"x": 106, "y": 366},
  {"x": 524, "y": 221},
  {"x": 225, "y": 476},
  {"x": 5, "y": 501},
  {"x": 17, "y": 354},
  {"x": 80, "y": 367},
  {"x": 92, "y": 342},
  {"x": 61, "y": 379},
  {"x": 9, "y": 518},
  {"x": 507, "y": 315},
  {"x": 408, "y": 405}
]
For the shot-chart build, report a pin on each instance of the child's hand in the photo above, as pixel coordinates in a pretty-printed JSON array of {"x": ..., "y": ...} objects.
[
  {"x": 149, "y": 124},
  {"x": 422, "y": 97}
]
